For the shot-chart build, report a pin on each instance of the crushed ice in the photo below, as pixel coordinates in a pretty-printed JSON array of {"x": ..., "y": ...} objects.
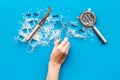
[{"x": 52, "y": 29}]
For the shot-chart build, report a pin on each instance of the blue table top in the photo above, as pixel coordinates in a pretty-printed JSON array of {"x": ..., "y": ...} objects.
[{"x": 87, "y": 60}]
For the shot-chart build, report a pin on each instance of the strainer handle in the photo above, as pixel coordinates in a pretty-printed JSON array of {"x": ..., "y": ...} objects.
[{"x": 99, "y": 34}]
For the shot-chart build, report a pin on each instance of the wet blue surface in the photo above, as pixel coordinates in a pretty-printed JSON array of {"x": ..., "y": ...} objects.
[{"x": 87, "y": 60}]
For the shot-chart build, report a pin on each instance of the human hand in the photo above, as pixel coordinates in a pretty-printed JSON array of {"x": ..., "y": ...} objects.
[
  {"x": 60, "y": 51},
  {"x": 58, "y": 55}
]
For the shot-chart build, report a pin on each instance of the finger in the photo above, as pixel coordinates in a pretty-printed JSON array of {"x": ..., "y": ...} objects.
[
  {"x": 62, "y": 56},
  {"x": 67, "y": 47},
  {"x": 57, "y": 42},
  {"x": 64, "y": 42}
]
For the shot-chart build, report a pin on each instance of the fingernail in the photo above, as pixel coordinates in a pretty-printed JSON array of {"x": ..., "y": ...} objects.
[{"x": 66, "y": 38}]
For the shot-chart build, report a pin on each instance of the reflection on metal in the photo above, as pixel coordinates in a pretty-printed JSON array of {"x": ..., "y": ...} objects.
[
  {"x": 88, "y": 19},
  {"x": 39, "y": 25}
]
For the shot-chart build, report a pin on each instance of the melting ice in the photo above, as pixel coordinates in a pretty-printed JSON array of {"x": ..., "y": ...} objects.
[{"x": 51, "y": 30}]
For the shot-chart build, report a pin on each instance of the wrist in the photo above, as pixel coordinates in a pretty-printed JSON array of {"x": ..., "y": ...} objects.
[
  {"x": 54, "y": 66},
  {"x": 53, "y": 71}
]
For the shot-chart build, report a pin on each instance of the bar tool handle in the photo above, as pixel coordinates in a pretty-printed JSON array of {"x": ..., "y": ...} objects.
[{"x": 99, "y": 34}]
